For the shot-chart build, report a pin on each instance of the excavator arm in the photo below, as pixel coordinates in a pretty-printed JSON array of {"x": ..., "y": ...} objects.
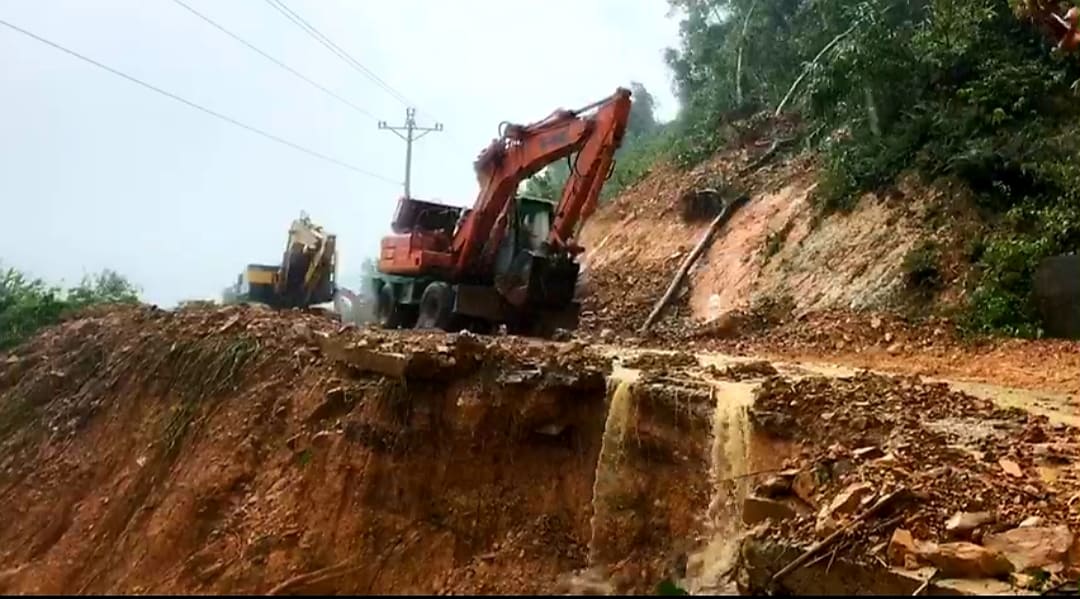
[
  {"x": 1044, "y": 13},
  {"x": 307, "y": 268},
  {"x": 520, "y": 153}
]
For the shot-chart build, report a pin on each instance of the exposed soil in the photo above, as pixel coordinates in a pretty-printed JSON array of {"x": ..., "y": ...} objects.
[{"x": 222, "y": 451}]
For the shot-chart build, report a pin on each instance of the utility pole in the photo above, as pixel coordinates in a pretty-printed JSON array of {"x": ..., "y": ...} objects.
[{"x": 409, "y": 128}]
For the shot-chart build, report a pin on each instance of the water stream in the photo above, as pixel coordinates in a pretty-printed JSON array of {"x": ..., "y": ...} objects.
[{"x": 709, "y": 569}]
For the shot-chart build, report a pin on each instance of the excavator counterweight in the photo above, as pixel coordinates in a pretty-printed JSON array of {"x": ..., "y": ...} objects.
[{"x": 508, "y": 260}]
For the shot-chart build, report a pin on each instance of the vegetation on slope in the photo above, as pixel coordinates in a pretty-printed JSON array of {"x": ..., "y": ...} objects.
[
  {"x": 949, "y": 88},
  {"x": 27, "y": 305}
]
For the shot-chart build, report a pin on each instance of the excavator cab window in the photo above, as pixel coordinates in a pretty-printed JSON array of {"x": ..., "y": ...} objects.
[
  {"x": 536, "y": 226},
  {"x": 534, "y": 220}
]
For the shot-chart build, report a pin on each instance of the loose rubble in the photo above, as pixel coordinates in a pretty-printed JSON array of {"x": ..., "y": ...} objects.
[{"x": 988, "y": 500}]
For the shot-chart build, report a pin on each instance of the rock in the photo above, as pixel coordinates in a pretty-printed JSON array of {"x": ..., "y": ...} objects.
[
  {"x": 845, "y": 503},
  {"x": 1032, "y": 546},
  {"x": 961, "y": 524},
  {"x": 1010, "y": 467},
  {"x": 774, "y": 486},
  {"x": 850, "y": 499},
  {"x": 875, "y": 323},
  {"x": 902, "y": 550},
  {"x": 1031, "y": 521},
  {"x": 334, "y": 400},
  {"x": 759, "y": 509},
  {"x": 321, "y": 438},
  {"x": 868, "y": 453},
  {"x": 966, "y": 560},
  {"x": 888, "y": 337},
  {"x": 1023, "y": 581},
  {"x": 895, "y": 348},
  {"x": 606, "y": 335},
  {"x": 805, "y": 486},
  {"x": 886, "y": 460},
  {"x": 825, "y": 525}
]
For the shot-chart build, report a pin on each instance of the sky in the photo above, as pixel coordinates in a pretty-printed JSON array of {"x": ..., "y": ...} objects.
[{"x": 97, "y": 172}]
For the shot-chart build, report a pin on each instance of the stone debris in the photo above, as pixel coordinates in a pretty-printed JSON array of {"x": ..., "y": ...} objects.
[
  {"x": 758, "y": 509},
  {"x": 961, "y": 524},
  {"x": 1044, "y": 547},
  {"x": 966, "y": 560},
  {"x": 987, "y": 501}
]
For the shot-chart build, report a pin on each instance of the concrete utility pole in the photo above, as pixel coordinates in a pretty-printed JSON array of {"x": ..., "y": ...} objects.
[{"x": 409, "y": 127}]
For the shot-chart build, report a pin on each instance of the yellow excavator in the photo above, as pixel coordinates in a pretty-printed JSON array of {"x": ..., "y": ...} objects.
[{"x": 306, "y": 276}]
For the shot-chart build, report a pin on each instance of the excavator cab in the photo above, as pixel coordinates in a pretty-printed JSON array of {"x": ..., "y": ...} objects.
[{"x": 528, "y": 272}]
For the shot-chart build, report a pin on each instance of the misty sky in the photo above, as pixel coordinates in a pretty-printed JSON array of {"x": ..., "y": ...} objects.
[{"x": 97, "y": 172}]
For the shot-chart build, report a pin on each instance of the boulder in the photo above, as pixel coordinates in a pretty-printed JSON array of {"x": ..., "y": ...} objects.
[
  {"x": 1032, "y": 546},
  {"x": 902, "y": 550},
  {"x": 758, "y": 509},
  {"x": 966, "y": 560},
  {"x": 774, "y": 486},
  {"x": 850, "y": 499}
]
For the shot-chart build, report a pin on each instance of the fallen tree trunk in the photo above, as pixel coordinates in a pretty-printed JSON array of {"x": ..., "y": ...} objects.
[{"x": 692, "y": 258}]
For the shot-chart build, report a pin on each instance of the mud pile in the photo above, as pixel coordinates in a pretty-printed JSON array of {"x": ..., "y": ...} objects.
[{"x": 975, "y": 491}]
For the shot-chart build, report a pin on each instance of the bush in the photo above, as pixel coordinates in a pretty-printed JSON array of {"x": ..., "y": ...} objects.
[
  {"x": 27, "y": 305},
  {"x": 922, "y": 267}
]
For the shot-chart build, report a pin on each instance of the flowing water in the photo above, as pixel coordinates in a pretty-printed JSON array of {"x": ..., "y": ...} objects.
[
  {"x": 709, "y": 570},
  {"x": 620, "y": 410}
]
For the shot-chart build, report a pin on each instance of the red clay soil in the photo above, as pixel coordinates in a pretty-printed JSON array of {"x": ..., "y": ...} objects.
[
  {"x": 218, "y": 451},
  {"x": 240, "y": 450}
]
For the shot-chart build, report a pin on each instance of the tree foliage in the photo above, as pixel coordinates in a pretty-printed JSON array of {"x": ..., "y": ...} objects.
[
  {"x": 27, "y": 305},
  {"x": 958, "y": 88},
  {"x": 642, "y": 130}
]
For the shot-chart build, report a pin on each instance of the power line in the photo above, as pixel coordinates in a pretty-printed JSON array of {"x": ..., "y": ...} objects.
[
  {"x": 311, "y": 30},
  {"x": 337, "y": 50},
  {"x": 275, "y": 60},
  {"x": 200, "y": 108}
]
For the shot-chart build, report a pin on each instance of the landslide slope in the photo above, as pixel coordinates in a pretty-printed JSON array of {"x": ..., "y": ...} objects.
[
  {"x": 776, "y": 246},
  {"x": 223, "y": 451}
]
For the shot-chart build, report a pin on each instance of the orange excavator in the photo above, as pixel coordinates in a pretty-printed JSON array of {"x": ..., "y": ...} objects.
[
  {"x": 509, "y": 260},
  {"x": 1061, "y": 28}
]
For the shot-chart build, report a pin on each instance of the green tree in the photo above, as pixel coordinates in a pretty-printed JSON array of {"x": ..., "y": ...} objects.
[
  {"x": 641, "y": 125},
  {"x": 27, "y": 305}
]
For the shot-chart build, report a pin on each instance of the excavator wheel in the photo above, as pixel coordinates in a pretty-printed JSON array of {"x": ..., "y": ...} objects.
[
  {"x": 388, "y": 312},
  {"x": 436, "y": 307}
]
